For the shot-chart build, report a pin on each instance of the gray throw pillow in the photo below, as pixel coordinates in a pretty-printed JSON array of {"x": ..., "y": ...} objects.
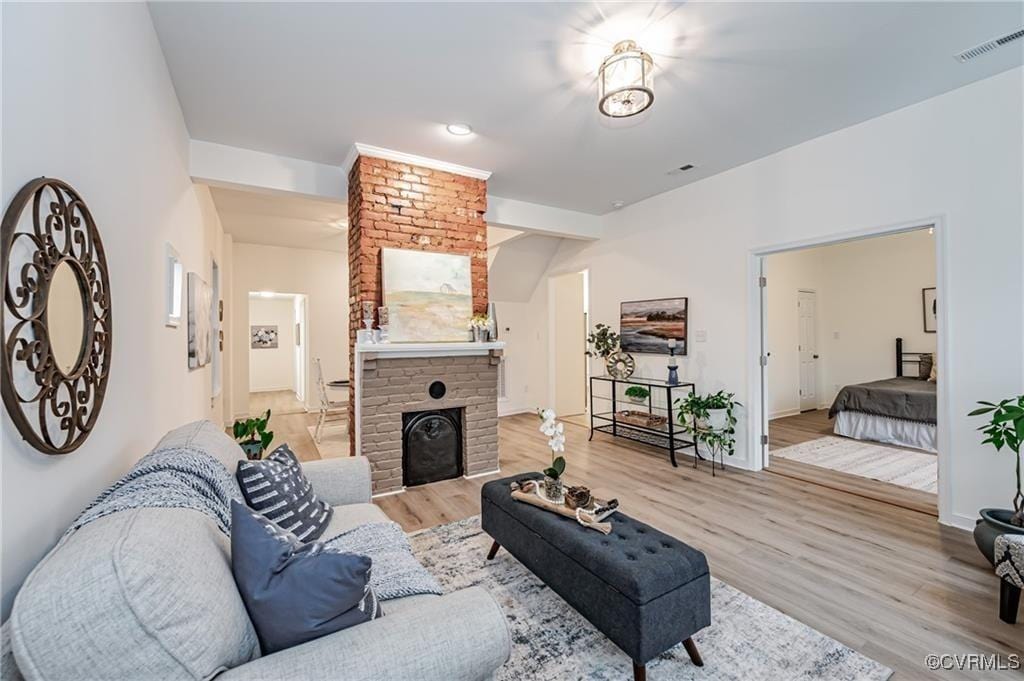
[
  {"x": 276, "y": 487},
  {"x": 924, "y": 369},
  {"x": 296, "y": 592}
]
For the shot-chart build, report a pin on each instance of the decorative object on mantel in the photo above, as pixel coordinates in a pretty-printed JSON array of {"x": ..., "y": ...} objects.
[
  {"x": 648, "y": 325},
  {"x": 429, "y": 294},
  {"x": 367, "y": 307},
  {"x": 200, "y": 326},
  {"x": 492, "y": 315},
  {"x": 383, "y": 321},
  {"x": 555, "y": 432},
  {"x": 57, "y": 325},
  {"x": 530, "y": 492},
  {"x": 620, "y": 365},
  {"x": 1005, "y": 428},
  {"x": 637, "y": 394},
  {"x": 480, "y": 325},
  {"x": 252, "y": 435},
  {"x": 673, "y": 368}
]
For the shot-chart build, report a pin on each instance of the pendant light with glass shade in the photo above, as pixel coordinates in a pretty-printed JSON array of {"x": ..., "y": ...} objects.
[{"x": 625, "y": 81}]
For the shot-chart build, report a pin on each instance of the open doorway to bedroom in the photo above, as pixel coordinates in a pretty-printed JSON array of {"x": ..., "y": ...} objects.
[
  {"x": 850, "y": 384},
  {"x": 278, "y": 352}
]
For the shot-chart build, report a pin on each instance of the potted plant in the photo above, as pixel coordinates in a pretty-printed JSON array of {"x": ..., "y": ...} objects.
[
  {"x": 1005, "y": 428},
  {"x": 479, "y": 325},
  {"x": 637, "y": 394},
  {"x": 555, "y": 431},
  {"x": 603, "y": 341},
  {"x": 712, "y": 412},
  {"x": 252, "y": 435}
]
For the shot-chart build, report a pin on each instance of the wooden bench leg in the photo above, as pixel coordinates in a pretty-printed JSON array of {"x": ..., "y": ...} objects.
[
  {"x": 494, "y": 550},
  {"x": 1009, "y": 602},
  {"x": 639, "y": 672},
  {"x": 691, "y": 650}
]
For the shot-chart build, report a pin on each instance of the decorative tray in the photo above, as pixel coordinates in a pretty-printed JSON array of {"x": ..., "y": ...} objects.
[{"x": 641, "y": 418}]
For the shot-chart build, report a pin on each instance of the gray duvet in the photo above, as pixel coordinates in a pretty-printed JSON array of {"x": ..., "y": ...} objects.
[{"x": 910, "y": 399}]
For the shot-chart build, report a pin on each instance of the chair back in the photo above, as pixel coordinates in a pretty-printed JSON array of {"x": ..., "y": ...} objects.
[{"x": 321, "y": 385}]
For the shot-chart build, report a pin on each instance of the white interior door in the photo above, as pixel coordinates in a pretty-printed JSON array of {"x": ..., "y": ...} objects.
[
  {"x": 570, "y": 341},
  {"x": 807, "y": 312}
]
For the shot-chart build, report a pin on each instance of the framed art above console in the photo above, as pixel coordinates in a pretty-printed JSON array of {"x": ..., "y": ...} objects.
[
  {"x": 56, "y": 322},
  {"x": 645, "y": 326}
]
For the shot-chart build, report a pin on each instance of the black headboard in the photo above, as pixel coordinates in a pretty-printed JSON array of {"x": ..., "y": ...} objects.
[{"x": 906, "y": 357}]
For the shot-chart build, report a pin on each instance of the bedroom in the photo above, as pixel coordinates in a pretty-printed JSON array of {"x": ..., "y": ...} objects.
[{"x": 851, "y": 381}]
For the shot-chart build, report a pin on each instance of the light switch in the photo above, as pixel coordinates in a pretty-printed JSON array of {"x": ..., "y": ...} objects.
[
  {"x": 835, "y": 335},
  {"x": 700, "y": 336}
]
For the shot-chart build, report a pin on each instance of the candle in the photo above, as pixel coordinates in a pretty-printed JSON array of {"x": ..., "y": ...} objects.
[{"x": 671, "y": 342}]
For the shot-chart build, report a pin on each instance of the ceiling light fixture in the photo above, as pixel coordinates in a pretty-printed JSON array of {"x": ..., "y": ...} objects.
[
  {"x": 618, "y": 204},
  {"x": 460, "y": 129},
  {"x": 625, "y": 81}
]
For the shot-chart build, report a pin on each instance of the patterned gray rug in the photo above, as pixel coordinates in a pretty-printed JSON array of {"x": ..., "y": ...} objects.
[{"x": 747, "y": 641}]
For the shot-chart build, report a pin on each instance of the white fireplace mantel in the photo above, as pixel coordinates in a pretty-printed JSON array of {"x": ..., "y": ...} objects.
[{"x": 398, "y": 350}]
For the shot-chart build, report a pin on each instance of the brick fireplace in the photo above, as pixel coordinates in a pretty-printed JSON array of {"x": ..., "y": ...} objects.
[{"x": 396, "y": 201}]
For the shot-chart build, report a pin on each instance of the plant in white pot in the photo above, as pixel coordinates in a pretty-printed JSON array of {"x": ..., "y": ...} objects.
[
  {"x": 637, "y": 394},
  {"x": 1005, "y": 428},
  {"x": 555, "y": 431},
  {"x": 711, "y": 418}
]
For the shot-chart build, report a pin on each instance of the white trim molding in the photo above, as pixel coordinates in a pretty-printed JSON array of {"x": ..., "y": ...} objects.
[{"x": 360, "y": 149}]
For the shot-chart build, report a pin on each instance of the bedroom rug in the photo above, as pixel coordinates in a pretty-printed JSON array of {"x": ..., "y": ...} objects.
[
  {"x": 903, "y": 467},
  {"x": 747, "y": 640},
  {"x": 333, "y": 440}
]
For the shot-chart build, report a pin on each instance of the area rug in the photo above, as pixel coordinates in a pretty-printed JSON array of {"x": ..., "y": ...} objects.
[
  {"x": 333, "y": 440},
  {"x": 747, "y": 640},
  {"x": 903, "y": 467}
]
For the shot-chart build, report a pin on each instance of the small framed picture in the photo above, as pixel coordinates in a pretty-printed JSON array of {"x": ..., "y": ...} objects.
[
  {"x": 930, "y": 305},
  {"x": 263, "y": 337}
]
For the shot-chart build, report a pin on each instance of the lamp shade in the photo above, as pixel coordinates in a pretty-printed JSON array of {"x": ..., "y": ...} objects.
[{"x": 625, "y": 81}]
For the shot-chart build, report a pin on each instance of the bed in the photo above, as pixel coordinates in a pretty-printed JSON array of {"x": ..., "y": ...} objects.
[{"x": 898, "y": 411}]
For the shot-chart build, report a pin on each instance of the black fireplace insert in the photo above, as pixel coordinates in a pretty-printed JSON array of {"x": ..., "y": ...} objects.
[{"x": 431, "y": 446}]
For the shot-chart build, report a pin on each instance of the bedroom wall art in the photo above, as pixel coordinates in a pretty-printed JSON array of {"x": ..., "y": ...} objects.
[
  {"x": 429, "y": 295},
  {"x": 930, "y": 305},
  {"x": 645, "y": 326},
  {"x": 200, "y": 306},
  {"x": 264, "y": 337}
]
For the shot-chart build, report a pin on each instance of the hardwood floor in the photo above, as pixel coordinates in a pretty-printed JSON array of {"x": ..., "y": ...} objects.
[
  {"x": 887, "y": 581},
  {"x": 812, "y": 425},
  {"x": 278, "y": 401}
]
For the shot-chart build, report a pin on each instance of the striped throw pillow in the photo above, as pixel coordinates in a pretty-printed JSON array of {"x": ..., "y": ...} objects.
[{"x": 276, "y": 488}]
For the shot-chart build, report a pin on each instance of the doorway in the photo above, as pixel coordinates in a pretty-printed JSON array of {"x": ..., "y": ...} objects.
[
  {"x": 568, "y": 295},
  {"x": 278, "y": 352},
  {"x": 842, "y": 333}
]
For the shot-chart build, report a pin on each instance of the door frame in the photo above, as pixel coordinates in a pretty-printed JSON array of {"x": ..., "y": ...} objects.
[
  {"x": 552, "y": 352},
  {"x": 757, "y": 424},
  {"x": 799, "y": 395}
]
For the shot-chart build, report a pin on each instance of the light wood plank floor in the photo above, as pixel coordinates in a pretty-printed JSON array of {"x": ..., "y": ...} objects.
[
  {"x": 884, "y": 580},
  {"x": 278, "y": 401}
]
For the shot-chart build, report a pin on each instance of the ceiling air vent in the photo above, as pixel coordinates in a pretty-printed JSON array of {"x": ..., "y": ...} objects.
[
  {"x": 990, "y": 45},
  {"x": 681, "y": 169}
]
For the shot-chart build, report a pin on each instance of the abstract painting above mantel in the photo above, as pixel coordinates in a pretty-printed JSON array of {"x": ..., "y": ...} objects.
[
  {"x": 645, "y": 326},
  {"x": 429, "y": 295}
]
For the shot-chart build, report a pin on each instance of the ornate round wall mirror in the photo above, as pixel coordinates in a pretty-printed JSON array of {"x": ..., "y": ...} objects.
[{"x": 56, "y": 316}]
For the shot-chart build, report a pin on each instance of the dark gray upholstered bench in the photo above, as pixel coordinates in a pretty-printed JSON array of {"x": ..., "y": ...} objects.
[{"x": 644, "y": 590}]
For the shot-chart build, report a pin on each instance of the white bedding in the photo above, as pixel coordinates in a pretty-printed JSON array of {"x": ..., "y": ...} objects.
[{"x": 861, "y": 426}]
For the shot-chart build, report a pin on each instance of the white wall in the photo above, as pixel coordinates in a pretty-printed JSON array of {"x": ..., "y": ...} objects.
[
  {"x": 957, "y": 156},
  {"x": 868, "y": 294},
  {"x": 87, "y": 98},
  {"x": 273, "y": 368},
  {"x": 320, "y": 275},
  {"x": 518, "y": 330}
]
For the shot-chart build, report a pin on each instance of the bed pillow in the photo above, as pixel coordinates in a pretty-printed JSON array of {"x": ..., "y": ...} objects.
[
  {"x": 296, "y": 592},
  {"x": 924, "y": 368},
  {"x": 933, "y": 376},
  {"x": 276, "y": 487}
]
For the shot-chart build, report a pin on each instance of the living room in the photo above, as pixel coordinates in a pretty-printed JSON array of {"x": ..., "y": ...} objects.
[{"x": 469, "y": 207}]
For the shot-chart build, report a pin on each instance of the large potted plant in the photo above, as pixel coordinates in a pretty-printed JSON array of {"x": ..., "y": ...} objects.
[
  {"x": 1005, "y": 428},
  {"x": 252, "y": 435},
  {"x": 710, "y": 419}
]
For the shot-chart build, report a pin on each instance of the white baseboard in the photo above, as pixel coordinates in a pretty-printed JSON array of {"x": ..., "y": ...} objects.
[
  {"x": 782, "y": 414},
  {"x": 480, "y": 475},
  {"x": 512, "y": 411},
  {"x": 387, "y": 494},
  {"x": 289, "y": 388},
  {"x": 961, "y": 522}
]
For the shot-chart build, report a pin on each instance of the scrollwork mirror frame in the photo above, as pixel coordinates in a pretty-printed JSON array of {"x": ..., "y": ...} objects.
[{"x": 66, "y": 404}]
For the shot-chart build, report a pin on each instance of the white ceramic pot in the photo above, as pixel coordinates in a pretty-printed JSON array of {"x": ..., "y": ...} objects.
[{"x": 717, "y": 419}]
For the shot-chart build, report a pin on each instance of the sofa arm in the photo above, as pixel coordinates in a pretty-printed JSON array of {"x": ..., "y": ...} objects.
[
  {"x": 458, "y": 637},
  {"x": 340, "y": 481}
]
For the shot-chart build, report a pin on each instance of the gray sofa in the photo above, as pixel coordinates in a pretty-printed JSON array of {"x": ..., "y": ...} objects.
[{"x": 148, "y": 594}]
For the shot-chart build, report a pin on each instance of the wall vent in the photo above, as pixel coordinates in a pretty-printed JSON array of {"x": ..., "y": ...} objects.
[
  {"x": 989, "y": 45},
  {"x": 681, "y": 169},
  {"x": 502, "y": 385}
]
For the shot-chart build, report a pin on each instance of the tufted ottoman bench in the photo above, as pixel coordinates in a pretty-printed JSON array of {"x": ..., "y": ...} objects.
[{"x": 644, "y": 590}]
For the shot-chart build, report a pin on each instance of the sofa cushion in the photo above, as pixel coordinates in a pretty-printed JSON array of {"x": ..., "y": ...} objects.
[
  {"x": 276, "y": 487},
  {"x": 294, "y": 591},
  {"x": 141, "y": 594},
  {"x": 348, "y": 517}
]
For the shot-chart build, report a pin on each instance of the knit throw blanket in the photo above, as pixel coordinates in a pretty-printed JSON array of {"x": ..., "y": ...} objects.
[
  {"x": 396, "y": 572},
  {"x": 174, "y": 477}
]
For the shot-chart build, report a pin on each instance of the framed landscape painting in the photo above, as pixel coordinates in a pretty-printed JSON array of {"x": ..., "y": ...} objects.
[
  {"x": 645, "y": 326},
  {"x": 429, "y": 295}
]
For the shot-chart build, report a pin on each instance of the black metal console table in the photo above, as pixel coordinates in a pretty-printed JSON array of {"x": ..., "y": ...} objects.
[{"x": 669, "y": 436}]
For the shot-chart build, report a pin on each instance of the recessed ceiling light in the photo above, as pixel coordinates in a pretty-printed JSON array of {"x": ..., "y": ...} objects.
[
  {"x": 460, "y": 129},
  {"x": 618, "y": 204}
]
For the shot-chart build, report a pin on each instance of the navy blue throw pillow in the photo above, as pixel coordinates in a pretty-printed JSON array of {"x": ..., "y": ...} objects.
[
  {"x": 296, "y": 592},
  {"x": 276, "y": 487}
]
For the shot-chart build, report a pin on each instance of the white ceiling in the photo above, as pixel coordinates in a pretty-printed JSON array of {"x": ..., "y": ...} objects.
[
  {"x": 281, "y": 220},
  {"x": 733, "y": 81}
]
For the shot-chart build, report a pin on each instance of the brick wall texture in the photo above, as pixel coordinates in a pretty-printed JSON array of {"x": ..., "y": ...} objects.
[
  {"x": 397, "y": 205},
  {"x": 393, "y": 386}
]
